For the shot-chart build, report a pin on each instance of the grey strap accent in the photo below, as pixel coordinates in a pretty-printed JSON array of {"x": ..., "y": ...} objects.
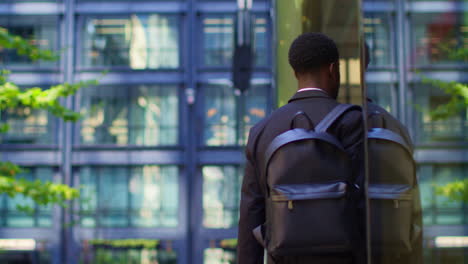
[
  {"x": 294, "y": 135},
  {"x": 386, "y": 134},
  {"x": 334, "y": 114},
  {"x": 257, "y": 232}
]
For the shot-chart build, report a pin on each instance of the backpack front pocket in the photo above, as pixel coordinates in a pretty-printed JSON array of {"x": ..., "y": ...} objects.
[
  {"x": 307, "y": 219},
  {"x": 390, "y": 216}
]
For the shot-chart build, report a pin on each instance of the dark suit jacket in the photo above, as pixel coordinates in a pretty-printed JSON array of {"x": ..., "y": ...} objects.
[{"x": 316, "y": 104}]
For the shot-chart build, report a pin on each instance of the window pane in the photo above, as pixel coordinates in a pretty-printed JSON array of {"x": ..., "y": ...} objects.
[
  {"x": 103, "y": 252},
  {"x": 154, "y": 196},
  {"x": 145, "y": 196},
  {"x": 378, "y": 28},
  {"x": 219, "y": 256},
  {"x": 136, "y": 42},
  {"x": 33, "y": 1},
  {"x": 218, "y": 41},
  {"x": 448, "y": 212},
  {"x": 28, "y": 126},
  {"x": 436, "y": 37},
  {"x": 382, "y": 95},
  {"x": 41, "y": 31},
  {"x": 221, "y": 196},
  {"x": 461, "y": 1},
  {"x": 141, "y": 115},
  {"x": 129, "y": 1},
  {"x": 229, "y": 117},
  {"x": 426, "y": 186},
  {"x": 41, "y": 216},
  {"x": 113, "y": 196},
  {"x": 453, "y": 128},
  {"x": 439, "y": 209},
  {"x": 220, "y": 116}
]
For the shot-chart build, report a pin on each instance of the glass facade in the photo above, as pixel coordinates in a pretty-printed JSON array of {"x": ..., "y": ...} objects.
[
  {"x": 229, "y": 117},
  {"x": 138, "y": 196},
  {"x": 28, "y": 126},
  {"x": 221, "y": 196},
  {"x": 378, "y": 28},
  {"x": 159, "y": 150},
  {"x": 22, "y": 212},
  {"x": 42, "y": 31},
  {"x": 437, "y": 37},
  {"x": 218, "y": 41},
  {"x": 136, "y": 41},
  {"x": 144, "y": 115}
]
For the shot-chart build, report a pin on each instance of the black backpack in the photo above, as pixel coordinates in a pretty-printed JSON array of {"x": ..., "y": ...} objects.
[
  {"x": 309, "y": 191},
  {"x": 393, "y": 194}
]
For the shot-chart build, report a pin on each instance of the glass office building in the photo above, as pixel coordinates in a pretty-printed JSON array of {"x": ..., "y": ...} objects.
[{"x": 159, "y": 150}]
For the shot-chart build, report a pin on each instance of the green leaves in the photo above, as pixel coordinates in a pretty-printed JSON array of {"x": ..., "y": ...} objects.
[
  {"x": 458, "y": 98},
  {"x": 126, "y": 243},
  {"x": 11, "y": 96},
  {"x": 455, "y": 191},
  {"x": 24, "y": 47},
  {"x": 41, "y": 192}
]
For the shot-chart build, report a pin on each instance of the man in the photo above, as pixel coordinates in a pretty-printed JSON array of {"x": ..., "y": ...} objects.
[{"x": 315, "y": 60}]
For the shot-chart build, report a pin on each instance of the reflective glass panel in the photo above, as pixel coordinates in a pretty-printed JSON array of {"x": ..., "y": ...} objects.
[
  {"x": 221, "y": 196},
  {"x": 33, "y": 1},
  {"x": 448, "y": 211},
  {"x": 219, "y": 256},
  {"x": 40, "y": 216},
  {"x": 229, "y": 117},
  {"x": 426, "y": 185},
  {"x": 129, "y": 1},
  {"x": 105, "y": 252},
  {"x": 218, "y": 41},
  {"x": 145, "y": 196},
  {"x": 154, "y": 196},
  {"x": 451, "y": 128},
  {"x": 136, "y": 42},
  {"x": 383, "y": 95},
  {"x": 41, "y": 31},
  {"x": 28, "y": 126},
  {"x": 460, "y": 1},
  {"x": 438, "y": 208},
  {"x": 138, "y": 115},
  {"x": 378, "y": 28},
  {"x": 438, "y": 38}
]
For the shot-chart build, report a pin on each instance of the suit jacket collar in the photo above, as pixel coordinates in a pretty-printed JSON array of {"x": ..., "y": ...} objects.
[{"x": 308, "y": 94}]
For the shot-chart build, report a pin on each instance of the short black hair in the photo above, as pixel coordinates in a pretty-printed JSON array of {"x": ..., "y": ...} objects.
[{"x": 312, "y": 50}]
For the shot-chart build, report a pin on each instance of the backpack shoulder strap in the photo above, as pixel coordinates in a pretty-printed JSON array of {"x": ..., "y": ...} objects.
[
  {"x": 334, "y": 114},
  {"x": 386, "y": 134}
]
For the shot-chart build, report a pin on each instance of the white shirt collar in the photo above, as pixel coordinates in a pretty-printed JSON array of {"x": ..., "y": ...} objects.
[{"x": 310, "y": 89}]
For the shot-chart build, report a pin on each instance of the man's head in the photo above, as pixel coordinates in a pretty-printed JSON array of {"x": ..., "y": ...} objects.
[{"x": 314, "y": 58}]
